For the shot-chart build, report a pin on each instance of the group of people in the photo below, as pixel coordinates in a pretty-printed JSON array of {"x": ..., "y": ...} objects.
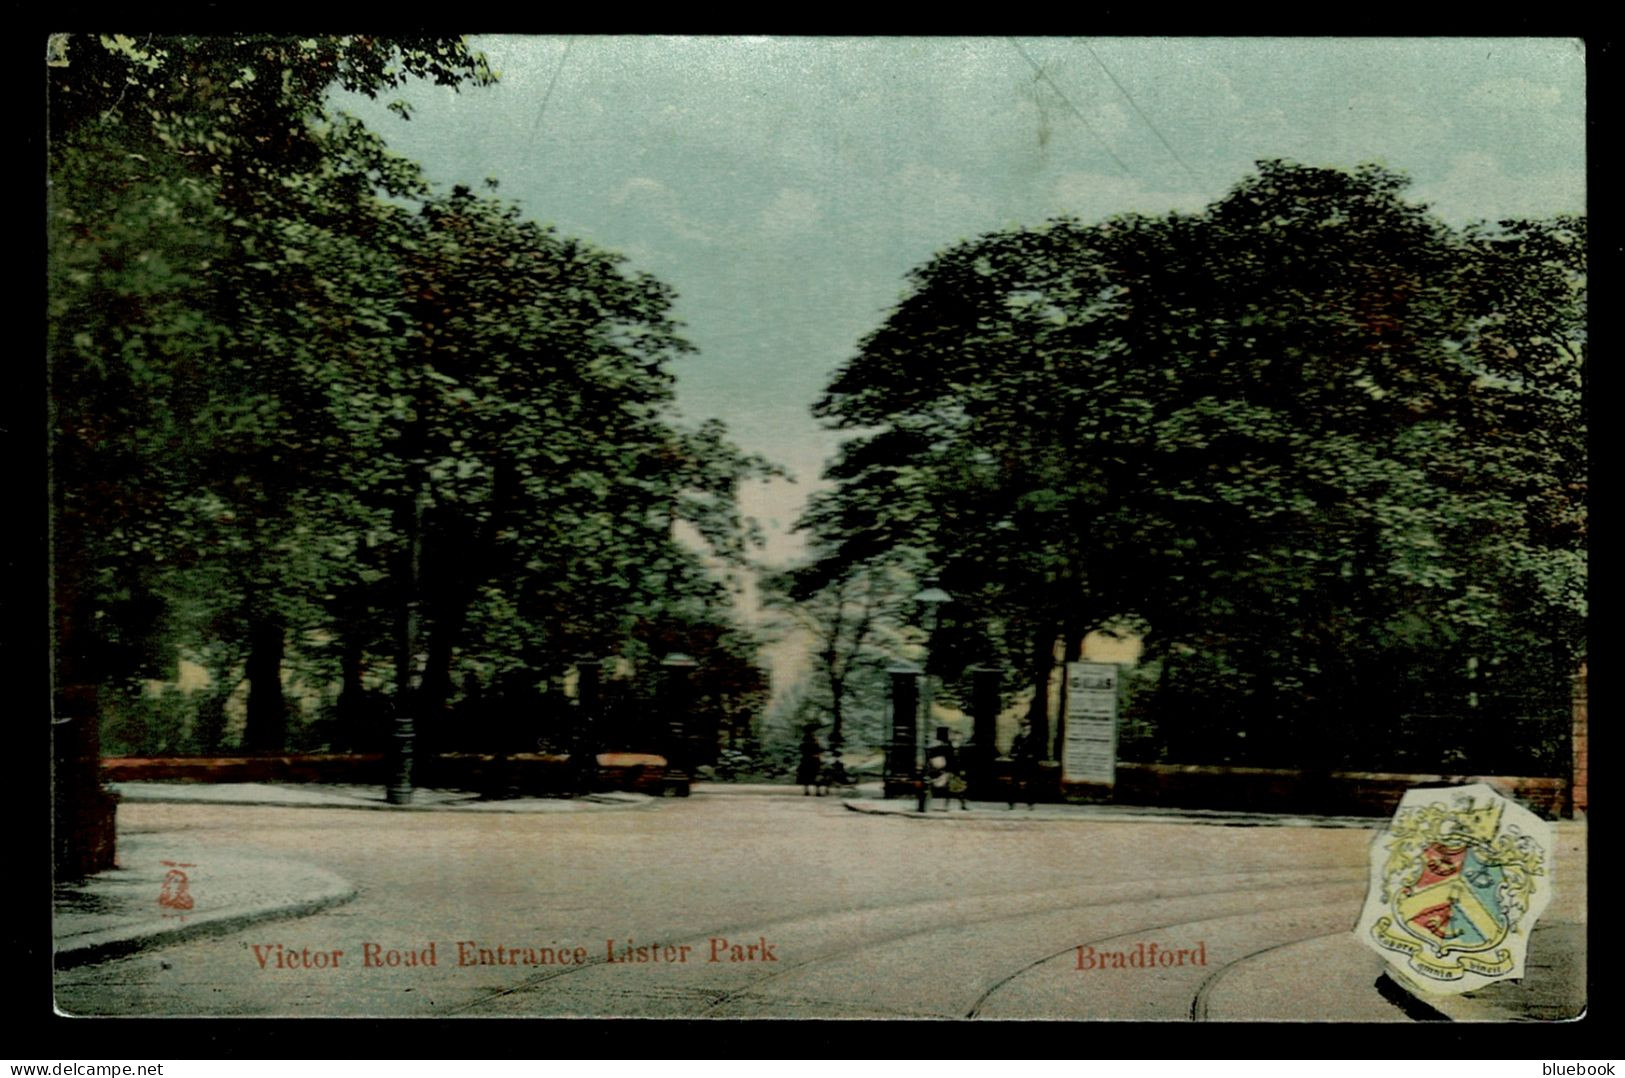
[
  {"x": 944, "y": 776},
  {"x": 816, "y": 773},
  {"x": 944, "y": 772}
]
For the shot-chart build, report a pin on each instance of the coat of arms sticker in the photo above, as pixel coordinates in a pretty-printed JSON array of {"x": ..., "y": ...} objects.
[{"x": 1458, "y": 880}]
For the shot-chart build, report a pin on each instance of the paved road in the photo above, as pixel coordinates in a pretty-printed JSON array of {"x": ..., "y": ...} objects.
[{"x": 760, "y": 906}]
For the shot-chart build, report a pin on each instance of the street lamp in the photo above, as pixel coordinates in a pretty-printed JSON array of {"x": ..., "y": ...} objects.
[
  {"x": 409, "y": 690},
  {"x": 932, "y": 598}
]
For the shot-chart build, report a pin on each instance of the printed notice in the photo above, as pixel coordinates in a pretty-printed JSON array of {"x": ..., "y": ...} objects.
[{"x": 1089, "y": 747}]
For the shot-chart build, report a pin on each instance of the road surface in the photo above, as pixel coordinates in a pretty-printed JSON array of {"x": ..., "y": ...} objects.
[{"x": 728, "y": 906}]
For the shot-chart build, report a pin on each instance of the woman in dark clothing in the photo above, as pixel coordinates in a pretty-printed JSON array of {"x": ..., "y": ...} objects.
[
  {"x": 1024, "y": 754},
  {"x": 809, "y": 770}
]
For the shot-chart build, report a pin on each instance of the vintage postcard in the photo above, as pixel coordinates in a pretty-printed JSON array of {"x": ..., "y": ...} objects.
[{"x": 708, "y": 527}]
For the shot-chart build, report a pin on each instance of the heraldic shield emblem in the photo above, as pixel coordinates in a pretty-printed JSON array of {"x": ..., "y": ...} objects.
[{"x": 1457, "y": 881}]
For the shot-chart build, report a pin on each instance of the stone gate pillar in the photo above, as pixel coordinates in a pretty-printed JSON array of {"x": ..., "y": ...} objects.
[
  {"x": 677, "y": 701},
  {"x": 985, "y": 684},
  {"x": 901, "y": 747},
  {"x": 85, "y": 830},
  {"x": 1578, "y": 774}
]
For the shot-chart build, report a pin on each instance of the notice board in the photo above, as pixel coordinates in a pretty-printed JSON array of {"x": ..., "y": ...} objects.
[{"x": 1089, "y": 743}]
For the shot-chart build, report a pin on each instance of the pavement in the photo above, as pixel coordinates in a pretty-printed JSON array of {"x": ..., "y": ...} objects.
[
  {"x": 938, "y": 813},
  {"x": 149, "y": 899},
  {"x": 120, "y": 912}
]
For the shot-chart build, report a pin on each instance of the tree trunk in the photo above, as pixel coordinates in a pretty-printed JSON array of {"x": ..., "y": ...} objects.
[
  {"x": 267, "y": 726},
  {"x": 351, "y": 704},
  {"x": 1169, "y": 733},
  {"x": 450, "y": 577},
  {"x": 837, "y": 735},
  {"x": 1071, "y": 652},
  {"x": 1038, "y": 709},
  {"x": 437, "y": 684}
]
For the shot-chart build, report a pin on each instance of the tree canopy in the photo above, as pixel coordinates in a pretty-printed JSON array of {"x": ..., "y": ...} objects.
[
  {"x": 302, "y": 403},
  {"x": 1321, "y": 451}
]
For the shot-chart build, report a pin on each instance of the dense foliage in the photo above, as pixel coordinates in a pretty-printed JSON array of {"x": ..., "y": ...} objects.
[
  {"x": 1322, "y": 452},
  {"x": 309, "y": 413}
]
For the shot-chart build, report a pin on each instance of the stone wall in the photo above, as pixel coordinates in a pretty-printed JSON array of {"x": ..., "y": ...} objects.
[
  {"x": 1271, "y": 790},
  {"x": 362, "y": 769},
  {"x": 526, "y": 773},
  {"x": 1336, "y": 793}
]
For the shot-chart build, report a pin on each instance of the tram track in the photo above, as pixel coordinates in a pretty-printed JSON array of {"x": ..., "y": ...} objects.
[
  {"x": 1198, "y": 1008},
  {"x": 944, "y": 918},
  {"x": 1200, "y": 1001}
]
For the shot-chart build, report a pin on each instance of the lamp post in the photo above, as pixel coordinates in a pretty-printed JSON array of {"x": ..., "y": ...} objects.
[
  {"x": 932, "y": 598},
  {"x": 411, "y": 664}
]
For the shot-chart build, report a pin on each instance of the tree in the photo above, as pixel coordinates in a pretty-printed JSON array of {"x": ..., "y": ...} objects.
[
  {"x": 157, "y": 151},
  {"x": 175, "y": 163},
  {"x": 854, "y": 616},
  {"x": 1247, "y": 434},
  {"x": 552, "y": 477},
  {"x": 302, "y": 402}
]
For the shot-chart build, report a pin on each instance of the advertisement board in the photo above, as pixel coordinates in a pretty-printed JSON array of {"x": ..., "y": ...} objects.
[{"x": 1089, "y": 741}]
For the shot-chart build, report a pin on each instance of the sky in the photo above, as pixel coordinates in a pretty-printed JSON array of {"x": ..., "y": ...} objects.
[{"x": 785, "y": 186}]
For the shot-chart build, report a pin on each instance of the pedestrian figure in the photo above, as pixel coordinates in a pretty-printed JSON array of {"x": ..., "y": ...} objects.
[
  {"x": 943, "y": 761},
  {"x": 1024, "y": 752},
  {"x": 835, "y": 775},
  {"x": 812, "y": 763}
]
